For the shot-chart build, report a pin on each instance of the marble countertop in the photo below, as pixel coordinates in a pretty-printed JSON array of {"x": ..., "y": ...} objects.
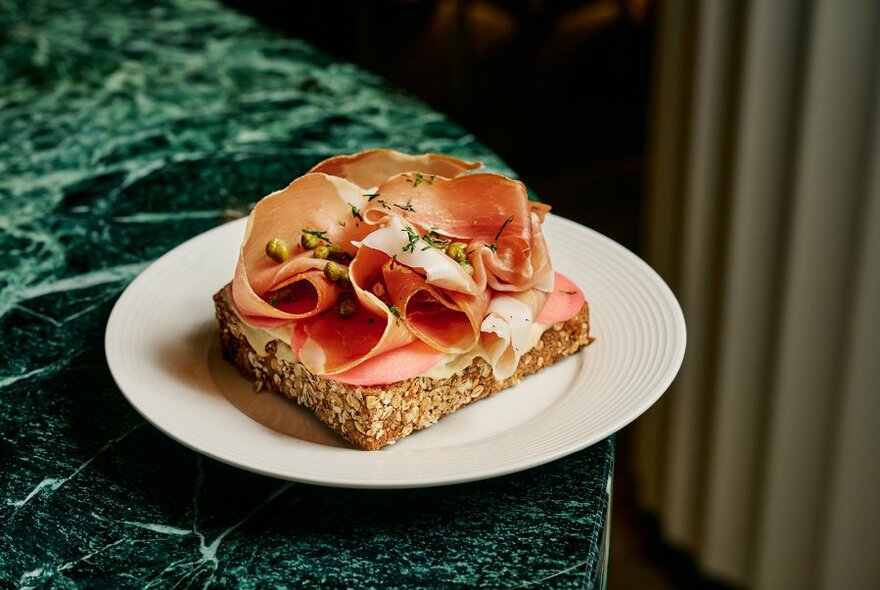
[{"x": 126, "y": 128}]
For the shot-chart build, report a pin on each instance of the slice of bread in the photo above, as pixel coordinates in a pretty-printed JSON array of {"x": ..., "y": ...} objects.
[{"x": 370, "y": 417}]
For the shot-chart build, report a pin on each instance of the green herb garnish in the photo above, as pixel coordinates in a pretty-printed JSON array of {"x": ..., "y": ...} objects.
[
  {"x": 494, "y": 246},
  {"x": 434, "y": 241},
  {"x": 371, "y": 196},
  {"x": 394, "y": 311},
  {"x": 321, "y": 235},
  {"x": 407, "y": 207},
  {"x": 413, "y": 239},
  {"x": 504, "y": 225},
  {"x": 418, "y": 179},
  {"x": 355, "y": 212}
]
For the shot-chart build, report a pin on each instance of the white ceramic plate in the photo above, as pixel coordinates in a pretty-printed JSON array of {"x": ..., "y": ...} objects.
[{"x": 163, "y": 352}]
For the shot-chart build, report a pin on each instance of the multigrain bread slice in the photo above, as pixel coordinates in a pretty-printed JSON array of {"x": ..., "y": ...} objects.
[{"x": 370, "y": 417}]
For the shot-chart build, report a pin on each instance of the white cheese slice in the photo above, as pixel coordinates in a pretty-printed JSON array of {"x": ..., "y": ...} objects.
[
  {"x": 505, "y": 334},
  {"x": 440, "y": 269}
]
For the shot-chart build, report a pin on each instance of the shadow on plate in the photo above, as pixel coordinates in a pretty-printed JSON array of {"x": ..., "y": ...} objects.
[{"x": 266, "y": 407}]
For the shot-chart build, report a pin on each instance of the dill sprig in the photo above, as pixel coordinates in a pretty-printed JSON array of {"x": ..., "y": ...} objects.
[
  {"x": 503, "y": 226},
  {"x": 407, "y": 207},
  {"x": 413, "y": 238},
  {"x": 494, "y": 245},
  {"x": 320, "y": 234},
  {"x": 434, "y": 241},
  {"x": 355, "y": 212}
]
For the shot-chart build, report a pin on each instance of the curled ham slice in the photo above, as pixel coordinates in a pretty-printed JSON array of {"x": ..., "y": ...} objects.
[
  {"x": 315, "y": 202},
  {"x": 448, "y": 321},
  {"x": 373, "y": 167},
  {"x": 328, "y": 344},
  {"x": 505, "y": 331},
  {"x": 539, "y": 209},
  {"x": 491, "y": 212},
  {"x": 500, "y": 269}
]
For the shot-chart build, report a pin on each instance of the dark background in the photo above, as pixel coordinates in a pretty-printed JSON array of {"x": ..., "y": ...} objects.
[{"x": 559, "y": 89}]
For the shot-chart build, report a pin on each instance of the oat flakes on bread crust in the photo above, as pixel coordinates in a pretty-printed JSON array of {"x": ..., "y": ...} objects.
[{"x": 370, "y": 417}]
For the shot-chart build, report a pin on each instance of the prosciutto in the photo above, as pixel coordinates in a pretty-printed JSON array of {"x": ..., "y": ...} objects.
[
  {"x": 329, "y": 344},
  {"x": 490, "y": 212},
  {"x": 394, "y": 215},
  {"x": 371, "y": 168},
  {"x": 448, "y": 321},
  {"x": 401, "y": 241},
  {"x": 296, "y": 288}
]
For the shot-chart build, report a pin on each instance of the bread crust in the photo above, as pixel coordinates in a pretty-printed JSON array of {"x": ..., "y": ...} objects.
[{"x": 370, "y": 417}]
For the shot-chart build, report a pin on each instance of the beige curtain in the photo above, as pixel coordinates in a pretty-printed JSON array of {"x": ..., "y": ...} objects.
[{"x": 763, "y": 460}]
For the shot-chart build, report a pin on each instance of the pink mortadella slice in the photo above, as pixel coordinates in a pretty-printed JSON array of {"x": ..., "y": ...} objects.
[
  {"x": 564, "y": 302},
  {"x": 395, "y": 365}
]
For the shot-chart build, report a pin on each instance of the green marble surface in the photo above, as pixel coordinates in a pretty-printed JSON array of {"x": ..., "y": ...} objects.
[{"x": 126, "y": 128}]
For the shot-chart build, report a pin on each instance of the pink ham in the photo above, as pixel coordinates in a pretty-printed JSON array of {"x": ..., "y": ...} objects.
[
  {"x": 314, "y": 202},
  {"x": 371, "y": 168},
  {"x": 488, "y": 211},
  {"x": 564, "y": 302},
  {"x": 396, "y": 365},
  {"x": 447, "y": 320},
  {"x": 333, "y": 344}
]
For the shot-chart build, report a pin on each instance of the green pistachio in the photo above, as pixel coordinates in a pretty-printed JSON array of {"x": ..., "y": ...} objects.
[
  {"x": 346, "y": 306},
  {"x": 277, "y": 249},
  {"x": 457, "y": 251},
  {"x": 336, "y": 272},
  {"x": 309, "y": 242},
  {"x": 322, "y": 252}
]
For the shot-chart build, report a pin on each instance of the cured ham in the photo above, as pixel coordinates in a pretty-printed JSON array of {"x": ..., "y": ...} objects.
[
  {"x": 446, "y": 320},
  {"x": 430, "y": 262},
  {"x": 333, "y": 344},
  {"x": 488, "y": 211},
  {"x": 400, "y": 241},
  {"x": 312, "y": 202},
  {"x": 373, "y": 167}
]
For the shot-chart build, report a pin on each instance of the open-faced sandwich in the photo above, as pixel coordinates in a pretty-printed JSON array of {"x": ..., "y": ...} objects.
[{"x": 384, "y": 291}]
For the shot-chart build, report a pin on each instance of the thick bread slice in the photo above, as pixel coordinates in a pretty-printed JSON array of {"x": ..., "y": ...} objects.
[{"x": 371, "y": 417}]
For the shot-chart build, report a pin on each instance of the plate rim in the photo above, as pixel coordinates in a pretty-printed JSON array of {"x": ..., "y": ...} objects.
[{"x": 421, "y": 480}]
